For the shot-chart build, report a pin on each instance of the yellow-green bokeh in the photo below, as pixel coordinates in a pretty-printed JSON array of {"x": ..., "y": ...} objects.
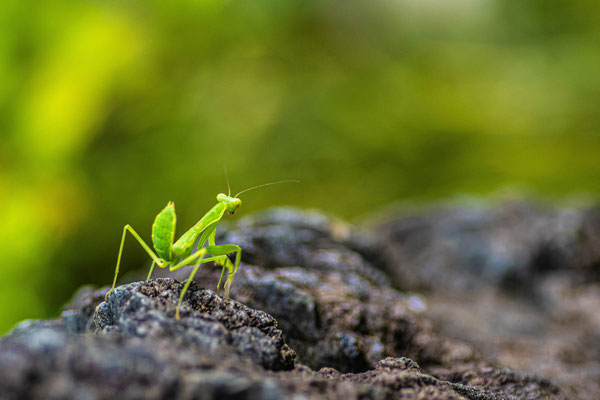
[{"x": 110, "y": 109}]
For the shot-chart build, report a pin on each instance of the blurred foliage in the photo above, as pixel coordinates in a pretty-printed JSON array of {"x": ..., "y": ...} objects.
[{"x": 110, "y": 109}]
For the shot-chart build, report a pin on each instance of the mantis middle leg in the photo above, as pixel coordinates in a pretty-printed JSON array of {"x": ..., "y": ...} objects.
[
  {"x": 199, "y": 255},
  {"x": 225, "y": 263},
  {"x": 223, "y": 250},
  {"x": 219, "y": 254}
]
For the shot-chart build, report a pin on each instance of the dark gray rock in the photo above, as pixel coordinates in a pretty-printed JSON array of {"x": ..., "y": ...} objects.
[
  {"x": 287, "y": 237},
  {"x": 459, "y": 247},
  {"x": 208, "y": 322},
  {"x": 324, "y": 294},
  {"x": 51, "y": 363},
  {"x": 134, "y": 347},
  {"x": 335, "y": 308},
  {"x": 519, "y": 280}
]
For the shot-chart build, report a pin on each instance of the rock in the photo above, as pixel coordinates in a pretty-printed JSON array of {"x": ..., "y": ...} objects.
[
  {"x": 490, "y": 381},
  {"x": 518, "y": 280},
  {"x": 208, "y": 322},
  {"x": 459, "y": 247},
  {"x": 314, "y": 316},
  {"x": 134, "y": 348},
  {"x": 335, "y": 308}
]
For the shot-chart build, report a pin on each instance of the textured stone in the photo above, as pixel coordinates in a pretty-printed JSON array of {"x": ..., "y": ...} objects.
[{"x": 315, "y": 316}]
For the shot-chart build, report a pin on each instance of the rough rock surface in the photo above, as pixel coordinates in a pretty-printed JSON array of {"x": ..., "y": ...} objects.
[
  {"x": 518, "y": 280},
  {"x": 317, "y": 315},
  {"x": 510, "y": 245}
]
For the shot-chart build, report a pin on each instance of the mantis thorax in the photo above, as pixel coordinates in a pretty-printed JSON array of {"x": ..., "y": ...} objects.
[{"x": 232, "y": 203}]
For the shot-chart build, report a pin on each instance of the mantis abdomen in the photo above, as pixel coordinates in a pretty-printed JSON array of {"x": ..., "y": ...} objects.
[{"x": 163, "y": 232}]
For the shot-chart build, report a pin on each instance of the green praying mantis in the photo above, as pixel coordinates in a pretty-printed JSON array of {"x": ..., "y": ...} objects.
[{"x": 178, "y": 254}]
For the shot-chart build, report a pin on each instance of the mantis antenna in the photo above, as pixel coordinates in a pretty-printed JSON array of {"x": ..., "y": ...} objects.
[
  {"x": 265, "y": 184},
  {"x": 227, "y": 179}
]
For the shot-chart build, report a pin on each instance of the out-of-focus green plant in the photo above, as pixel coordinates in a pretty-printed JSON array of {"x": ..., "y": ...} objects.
[{"x": 106, "y": 107}]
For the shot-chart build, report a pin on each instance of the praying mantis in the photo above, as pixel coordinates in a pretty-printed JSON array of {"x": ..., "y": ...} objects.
[{"x": 178, "y": 254}]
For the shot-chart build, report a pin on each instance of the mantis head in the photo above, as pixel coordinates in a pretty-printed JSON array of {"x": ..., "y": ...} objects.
[{"x": 232, "y": 203}]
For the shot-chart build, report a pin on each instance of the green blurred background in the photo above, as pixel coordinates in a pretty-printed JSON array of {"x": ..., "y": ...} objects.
[{"x": 110, "y": 109}]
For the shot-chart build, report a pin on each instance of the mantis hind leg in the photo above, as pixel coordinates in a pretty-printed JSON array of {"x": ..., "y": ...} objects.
[{"x": 154, "y": 257}]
